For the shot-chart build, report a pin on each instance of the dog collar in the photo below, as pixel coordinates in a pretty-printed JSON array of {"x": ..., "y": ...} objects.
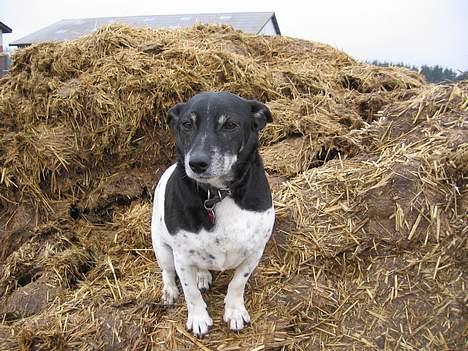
[{"x": 211, "y": 201}]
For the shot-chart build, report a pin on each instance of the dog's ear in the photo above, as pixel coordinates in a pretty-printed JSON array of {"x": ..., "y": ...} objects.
[
  {"x": 261, "y": 114},
  {"x": 174, "y": 113}
]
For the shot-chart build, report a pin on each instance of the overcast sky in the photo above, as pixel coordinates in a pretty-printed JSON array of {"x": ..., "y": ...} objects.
[{"x": 413, "y": 31}]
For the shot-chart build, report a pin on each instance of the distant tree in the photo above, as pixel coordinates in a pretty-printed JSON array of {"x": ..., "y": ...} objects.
[
  {"x": 433, "y": 74},
  {"x": 392, "y": 64},
  {"x": 463, "y": 76}
]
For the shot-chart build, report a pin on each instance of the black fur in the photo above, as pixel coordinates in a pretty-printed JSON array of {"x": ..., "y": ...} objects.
[{"x": 247, "y": 180}]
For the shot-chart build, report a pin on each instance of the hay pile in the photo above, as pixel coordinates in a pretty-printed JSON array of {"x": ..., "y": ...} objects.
[{"x": 368, "y": 167}]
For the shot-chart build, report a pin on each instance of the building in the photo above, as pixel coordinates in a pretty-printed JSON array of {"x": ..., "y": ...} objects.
[
  {"x": 3, "y": 57},
  {"x": 263, "y": 23},
  {"x": 3, "y": 29}
]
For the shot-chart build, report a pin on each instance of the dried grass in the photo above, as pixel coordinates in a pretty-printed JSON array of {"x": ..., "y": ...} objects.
[{"x": 369, "y": 167}]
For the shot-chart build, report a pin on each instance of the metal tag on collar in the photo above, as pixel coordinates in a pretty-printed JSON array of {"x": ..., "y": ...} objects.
[
  {"x": 210, "y": 209},
  {"x": 207, "y": 204}
]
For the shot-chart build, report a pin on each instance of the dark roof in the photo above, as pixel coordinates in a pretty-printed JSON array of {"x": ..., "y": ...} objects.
[
  {"x": 275, "y": 23},
  {"x": 250, "y": 22},
  {"x": 4, "y": 28}
]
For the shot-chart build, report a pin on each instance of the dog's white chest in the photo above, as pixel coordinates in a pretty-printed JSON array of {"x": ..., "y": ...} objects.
[{"x": 237, "y": 234}]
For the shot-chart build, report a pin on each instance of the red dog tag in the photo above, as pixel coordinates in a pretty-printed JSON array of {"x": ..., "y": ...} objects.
[{"x": 211, "y": 216}]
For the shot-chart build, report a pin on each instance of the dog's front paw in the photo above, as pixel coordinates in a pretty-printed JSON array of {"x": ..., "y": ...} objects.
[
  {"x": 236, "y": 316},
  {"x": 204, "y": 280},
  {"x": 199, "y": 322},
  {"x": 169, "y": 294}
]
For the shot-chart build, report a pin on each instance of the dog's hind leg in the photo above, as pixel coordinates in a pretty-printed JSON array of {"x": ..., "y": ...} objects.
[{"x": 165, "y": 259}]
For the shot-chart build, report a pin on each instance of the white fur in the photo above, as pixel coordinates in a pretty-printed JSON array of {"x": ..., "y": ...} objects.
[
  {"x": 222, "y": 119},
  {"x": 220, "y": 166},
  {"x": 236, "y": 242}
]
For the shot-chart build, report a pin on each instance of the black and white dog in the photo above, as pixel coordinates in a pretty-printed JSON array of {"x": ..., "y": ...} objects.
[{"x": 213, "y": 208}]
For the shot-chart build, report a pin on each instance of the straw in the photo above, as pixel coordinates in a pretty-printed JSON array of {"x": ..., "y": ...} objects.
[{"x": 368, "y": 167}]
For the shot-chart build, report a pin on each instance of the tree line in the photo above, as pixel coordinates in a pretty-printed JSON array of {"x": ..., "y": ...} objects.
[{"x": 433, "y": 74}]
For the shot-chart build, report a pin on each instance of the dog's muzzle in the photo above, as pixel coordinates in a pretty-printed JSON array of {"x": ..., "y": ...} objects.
[{"x": 199, "y": 163}]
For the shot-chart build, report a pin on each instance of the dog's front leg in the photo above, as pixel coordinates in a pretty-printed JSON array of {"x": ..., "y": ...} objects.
[
  {"x": 198, "y": 318},
  {"x": 235, "y": 313}
]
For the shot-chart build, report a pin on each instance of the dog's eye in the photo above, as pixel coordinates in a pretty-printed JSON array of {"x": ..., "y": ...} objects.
[
  {"x": 229, "y": 125},
  {"x": 187, "y": 125}
]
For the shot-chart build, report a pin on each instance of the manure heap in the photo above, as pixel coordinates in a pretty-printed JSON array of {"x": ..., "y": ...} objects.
[{"x": 368, "y": 167}]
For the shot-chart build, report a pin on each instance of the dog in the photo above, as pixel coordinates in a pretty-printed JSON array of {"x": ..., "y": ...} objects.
[{"x": 213, "y": 208}]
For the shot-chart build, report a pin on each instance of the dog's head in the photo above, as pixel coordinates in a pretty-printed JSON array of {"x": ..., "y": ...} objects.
[{"x": 214, "y": 132}]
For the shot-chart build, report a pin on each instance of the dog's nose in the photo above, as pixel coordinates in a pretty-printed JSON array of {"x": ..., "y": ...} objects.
[{"x": 199, "y": 163}]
